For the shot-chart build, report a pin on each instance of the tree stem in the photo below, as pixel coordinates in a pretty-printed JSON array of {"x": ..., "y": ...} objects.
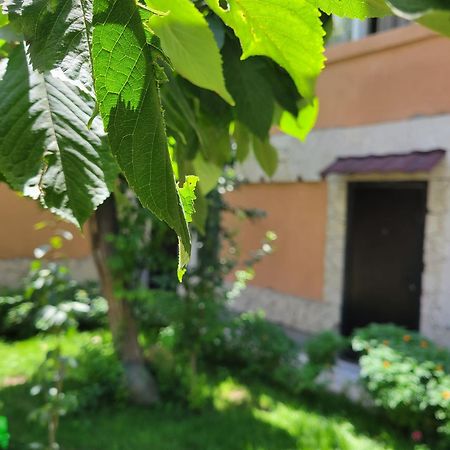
[{"x": 140, "y": 383}]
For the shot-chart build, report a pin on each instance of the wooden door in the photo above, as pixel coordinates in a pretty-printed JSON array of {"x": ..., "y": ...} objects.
[{"x": 384, "y": 255}]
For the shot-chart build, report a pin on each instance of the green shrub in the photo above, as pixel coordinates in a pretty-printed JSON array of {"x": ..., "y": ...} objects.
[
  {"x": 323, "y": 349},
  {"x": 407, "y": 375},
  {"x": 246, "y": 343},
  {"x": 251, "y": 343},
  {"x": 98, "y": 378},
  {"x": 48, "y": 284}
]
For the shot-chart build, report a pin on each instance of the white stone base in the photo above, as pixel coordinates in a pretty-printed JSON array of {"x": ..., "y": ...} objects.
[
  {"x": 310, "y": 316},
  {"x": 13, "y": 271}
]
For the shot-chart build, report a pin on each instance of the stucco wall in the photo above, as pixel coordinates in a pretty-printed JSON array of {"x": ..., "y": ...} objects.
[
  {"x": 18, "y": 239},
  {"x": 389, "y": 76},
  {"x": 296, "y": 213}
]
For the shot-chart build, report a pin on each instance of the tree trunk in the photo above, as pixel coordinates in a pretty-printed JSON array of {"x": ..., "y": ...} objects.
[{"x": 140, "y": 382}]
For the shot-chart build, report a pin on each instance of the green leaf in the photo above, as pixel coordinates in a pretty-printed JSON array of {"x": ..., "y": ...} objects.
[
  {"x": 289, "y": 32},
  {"x": 215, "y": 143},
  {"x": 190, "y": 44},
  {"x": 180, "y": 116},
  {"x": 207, "y": 172},
  {"x": 266, "y": 156},
  {"x": 250, "y": 89},
  {"x": 283, "y": 87},
  {"x": 434, "y": 14},
  {"x": 46, "y": 149},
  {"x": 58, "y": 33},
  {"x": 201, "y": 212},
  {"x": 354, "y": 9},
  {"x": 187, "y": 195},
  {"x": 301, "y": 125},
  {"x": 242, "y": 138},
  {"x": 3, "y": 20},
  {"x": 4, "y": 435},
  {"x": 129, "y": 103},
  {"x": 210, "y": 105},
  {"x": 218, "y": 29}
]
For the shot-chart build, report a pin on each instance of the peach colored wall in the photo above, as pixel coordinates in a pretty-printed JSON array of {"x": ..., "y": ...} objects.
[
  {"x": 389, "y": 76},
  {"x": 297, "y": 214},
  {"x": 18, "y": 237}
]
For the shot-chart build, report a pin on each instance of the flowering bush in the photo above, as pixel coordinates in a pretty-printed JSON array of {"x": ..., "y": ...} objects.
[{"x": 407, "y": 375}]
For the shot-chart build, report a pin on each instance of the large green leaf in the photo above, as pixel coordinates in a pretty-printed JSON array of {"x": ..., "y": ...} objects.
[
  {"x": 46, "y": 149},
  {"x": 434, "y": 14},
  {"x": 3, "y": 20},
  {"x": 59, "y": 34},
  {"x": 128, "y": 98},
  {"x": 299, "y": 126},
  {"x": 250, "y": 88},
  {"x": 201, "y": 212},
  {"x": 266, "y": 155},
  {"x": 243, "y": 140},
  {"x": 187, "y": 196},
  {"x": 283, "y": 87},
  {"x": 289, "y": 32},
  {"x": 189, "y": 42},
  {"x": 355, "y": 9},
  {"x": 207, "y": 172},
  {"x": 216, "y": 143},
  {"x": 180, "y": 116}
]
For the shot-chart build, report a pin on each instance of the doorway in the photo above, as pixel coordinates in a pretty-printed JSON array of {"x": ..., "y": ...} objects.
[{"x": 384, "y": 254}]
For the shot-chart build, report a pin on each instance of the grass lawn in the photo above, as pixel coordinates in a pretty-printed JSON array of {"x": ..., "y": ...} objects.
[{"x": 244, "y": 417}]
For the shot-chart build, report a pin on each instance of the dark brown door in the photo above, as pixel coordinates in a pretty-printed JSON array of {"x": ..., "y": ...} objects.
[{"x": 384, "y": 255}]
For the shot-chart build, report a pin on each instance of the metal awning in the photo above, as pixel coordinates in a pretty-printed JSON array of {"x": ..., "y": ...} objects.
[{"x": 417, "y": 161}]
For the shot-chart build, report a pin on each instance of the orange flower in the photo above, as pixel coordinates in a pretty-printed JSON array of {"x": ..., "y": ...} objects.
[
  {"x": 386, "y": 342},
  {"x": 386, "y": 364},
  {"x": 424, "y": 344},
  {"x": 446, "y": 395},
  {"x": 406, "y": 337}
]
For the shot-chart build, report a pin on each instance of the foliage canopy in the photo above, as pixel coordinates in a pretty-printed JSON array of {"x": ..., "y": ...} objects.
[{"x": 224, "y": 72}]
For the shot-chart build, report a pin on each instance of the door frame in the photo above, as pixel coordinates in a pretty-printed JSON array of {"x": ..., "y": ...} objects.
[
  {"x": 435, "y": 307},
  {"x": 352, "y": 187}
]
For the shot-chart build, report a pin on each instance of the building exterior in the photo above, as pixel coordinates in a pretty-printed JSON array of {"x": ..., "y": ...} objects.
[
  {"x": 373, "y": 241},
  {"x": 383, "y": 95},
  {"x": 24, "y": 227}
]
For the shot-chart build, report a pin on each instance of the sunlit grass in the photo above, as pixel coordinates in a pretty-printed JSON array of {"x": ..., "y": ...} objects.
[{"x": 21, "y": 358}]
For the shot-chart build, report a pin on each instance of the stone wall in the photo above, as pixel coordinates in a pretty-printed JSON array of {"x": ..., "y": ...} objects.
[{"x": 13, "y": 271}]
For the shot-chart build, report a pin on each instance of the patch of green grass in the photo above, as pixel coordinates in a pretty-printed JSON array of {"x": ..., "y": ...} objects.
[
  {"x": 21, "y": 358},
  {"x": 245, "y": 416}
]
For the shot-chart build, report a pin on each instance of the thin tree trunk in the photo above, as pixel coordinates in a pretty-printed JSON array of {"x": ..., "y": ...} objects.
[{"x": 140, "y": 382}]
